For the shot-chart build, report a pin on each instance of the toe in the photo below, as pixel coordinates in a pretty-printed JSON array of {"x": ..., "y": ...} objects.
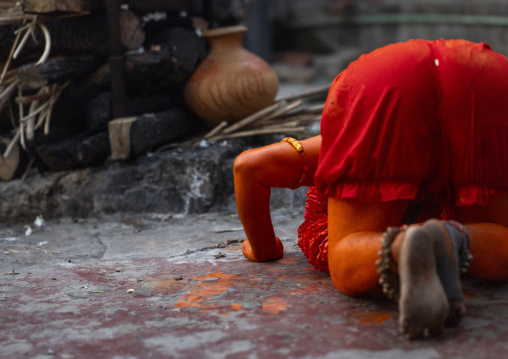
[{"x": 456, "y": 313}]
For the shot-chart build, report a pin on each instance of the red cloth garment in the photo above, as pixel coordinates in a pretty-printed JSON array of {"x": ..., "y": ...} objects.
[
  {"x": 313, "y": 232},
  {"x": 418, "y": 120}
]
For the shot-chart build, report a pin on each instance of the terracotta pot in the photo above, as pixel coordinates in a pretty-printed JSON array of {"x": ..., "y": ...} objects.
[{"x": 231, "y": 83}]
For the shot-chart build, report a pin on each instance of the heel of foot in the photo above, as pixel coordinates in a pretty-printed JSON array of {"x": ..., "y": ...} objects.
[
  {"x": 456, "y": 313},
  {"x": 423, "y": 304}
]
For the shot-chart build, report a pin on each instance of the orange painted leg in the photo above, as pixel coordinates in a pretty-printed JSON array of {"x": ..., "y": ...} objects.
[
  {"x": 354, "y": 240},
  {"x": 355, "y": 231},
  {"x": 488, "y": 227},
  {"x": 489, "y": 247},
  {"x": 256, "y": 171}
]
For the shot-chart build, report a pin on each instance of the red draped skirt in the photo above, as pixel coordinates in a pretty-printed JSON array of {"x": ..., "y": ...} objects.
[{"x": 420, "y": 120}]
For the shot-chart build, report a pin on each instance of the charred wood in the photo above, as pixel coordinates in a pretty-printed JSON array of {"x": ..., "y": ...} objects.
[
  {"x": 167, "y": 67},
  {"x": 153, "y": 27},
  {"x": 140, "y": 6},
  {"x": 56, "y": 70},
  {"x": 174, "y": 6},
  {"x": 133, "y": 136},
  {"x": 70, "y": 110},
  {"x": 184, "y": 46},
  {"x": 46, "y": 6},
  {"x": 76, "y": 152},
  {"x": 100, "y": 108},
  {"x": 94, "y": 150},
  {"x": 78, "y": 35},
  {"x": 89, "y": 33}
]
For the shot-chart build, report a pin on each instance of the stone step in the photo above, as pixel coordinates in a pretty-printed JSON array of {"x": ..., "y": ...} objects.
[{"x": 180, "y": 182}]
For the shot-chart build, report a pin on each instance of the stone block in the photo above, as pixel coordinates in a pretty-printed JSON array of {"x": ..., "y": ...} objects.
[{"x": 178, "y": 182}]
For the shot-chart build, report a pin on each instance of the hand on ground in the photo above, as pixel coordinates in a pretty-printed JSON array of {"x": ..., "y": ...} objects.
[{"x": 265, "y": 256}]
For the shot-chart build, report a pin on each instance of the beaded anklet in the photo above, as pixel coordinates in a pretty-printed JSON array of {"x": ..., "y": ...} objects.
[
  {"x": 305, "y": 167},
  {"x": 464, "y": 255},
  {"x": 388, "y": 279}
]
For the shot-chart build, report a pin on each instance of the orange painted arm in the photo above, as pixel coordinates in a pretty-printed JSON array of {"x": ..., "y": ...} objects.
[{"x": 256, "y": 171}]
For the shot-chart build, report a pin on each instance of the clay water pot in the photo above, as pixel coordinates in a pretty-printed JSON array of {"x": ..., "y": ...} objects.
[{"x": 231, "y": 83}]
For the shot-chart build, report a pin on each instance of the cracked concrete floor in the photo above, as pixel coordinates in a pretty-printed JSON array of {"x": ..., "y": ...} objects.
[{"x": 166, "y": 287}]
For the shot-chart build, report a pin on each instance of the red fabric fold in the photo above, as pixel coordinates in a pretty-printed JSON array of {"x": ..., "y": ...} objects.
[{"x": 313, "y": 232}]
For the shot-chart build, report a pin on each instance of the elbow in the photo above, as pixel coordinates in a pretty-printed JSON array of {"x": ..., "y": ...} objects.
[{"x": 245, "y": 165}]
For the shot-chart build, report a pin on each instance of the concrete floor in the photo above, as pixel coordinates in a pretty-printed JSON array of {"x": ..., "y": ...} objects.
[{"x": 64, "y": 293}]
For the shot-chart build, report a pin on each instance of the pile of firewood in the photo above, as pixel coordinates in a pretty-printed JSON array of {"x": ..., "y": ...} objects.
[
  {"x": 57, "y": 84},
  {"x": 56, "y": 103}
]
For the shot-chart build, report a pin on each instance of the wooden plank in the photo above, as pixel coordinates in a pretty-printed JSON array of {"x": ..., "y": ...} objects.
[
  {"x": 14, "y": 165},
  {"x": 119, "y": 137}
]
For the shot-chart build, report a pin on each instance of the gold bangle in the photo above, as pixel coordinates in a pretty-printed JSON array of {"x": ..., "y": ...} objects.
[{"x": 305, "y": 167}]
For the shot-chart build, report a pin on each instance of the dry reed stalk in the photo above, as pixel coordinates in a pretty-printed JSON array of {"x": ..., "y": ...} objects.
[
  {"x": 257, "y": 132},
  {"x": 283, "y": 116},
  {"x": 249, "y": 119}
]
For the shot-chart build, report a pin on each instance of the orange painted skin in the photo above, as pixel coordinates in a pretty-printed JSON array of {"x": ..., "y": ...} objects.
[{"x": 354, "y": 228}]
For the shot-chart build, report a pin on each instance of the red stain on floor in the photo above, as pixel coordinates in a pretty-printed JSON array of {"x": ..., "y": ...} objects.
[
  {"x": 371, "y": 318},
  {"x": 274, "y": 304},
  {"x": 206, "y": 289}
]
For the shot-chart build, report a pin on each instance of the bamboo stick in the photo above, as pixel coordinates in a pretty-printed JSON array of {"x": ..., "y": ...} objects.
[
  {"x": 298, "y": 120},
  {"x": 216, "y": 130},
  {"x": 258, "y": 132},
  {"x": 249, "y": 119},
  {"x": 313, "y": 109},
  {"x": 280, "y": 112},
  {"x": 312, "y": 92},
  {"x": 11, "y": 145},
  {"x": 39, "y": 96},
  {"x": 9, "y": 59},
  {"x": 32, "y": 113},
  {"x": 8, "y": 90}
]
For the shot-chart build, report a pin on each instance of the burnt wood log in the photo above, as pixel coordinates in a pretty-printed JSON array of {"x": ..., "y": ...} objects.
[
  {"x": 94, "y": 150},
  {"x": 183, "y": 44},
  {"x": 178, "y": 53},
  {"x": 100, "y": 108},
  {"x": 153, "y": 27},
  {"x": 86, "y": 105},
  {"x": 219, "y": 12},
  {"x": 15, "y": 164},
  {"x": 76, "y": 152},
  {"x": 56, "y": 70},
  {"x": 173, "y": 6},
  {"x": 70, "y": 110},
  {"x": 89, "y": 34},
  {"x": 78, "y": 35},
  {"x": 37, "y": 6},
  {"x": 168, "y": 66},
  {"x": 133, "y": 136}
]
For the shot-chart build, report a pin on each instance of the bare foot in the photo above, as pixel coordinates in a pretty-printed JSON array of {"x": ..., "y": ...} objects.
[
  {"x": 448, "y": 270},
  {"x": 423, "y": 305},
  {"x": 456, "y": 313}
]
